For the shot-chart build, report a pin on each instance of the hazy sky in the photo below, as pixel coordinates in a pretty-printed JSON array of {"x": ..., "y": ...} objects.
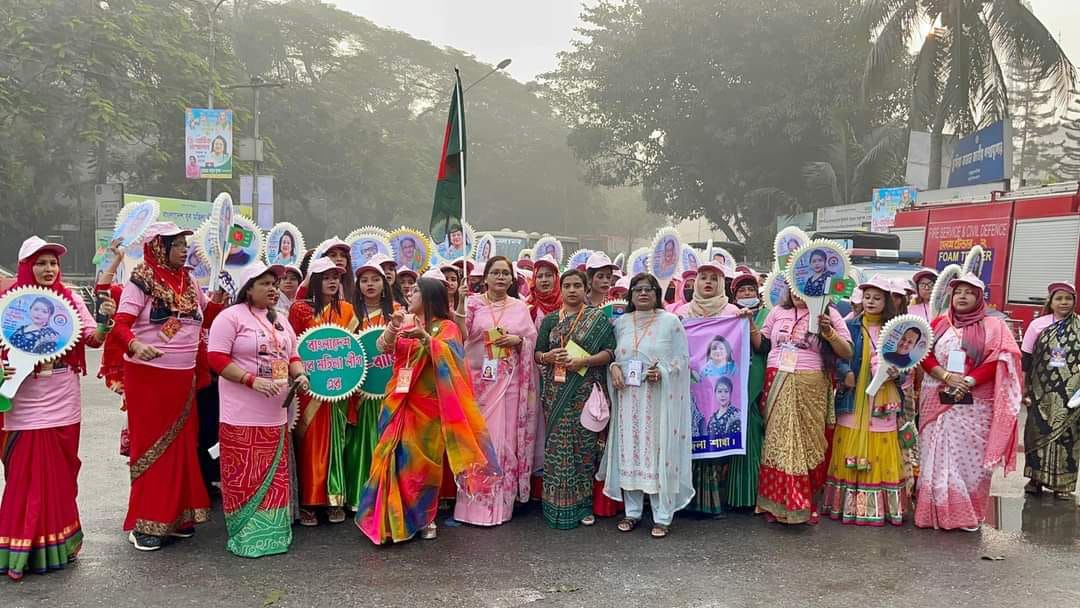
[{"x": 531, "y": 31}]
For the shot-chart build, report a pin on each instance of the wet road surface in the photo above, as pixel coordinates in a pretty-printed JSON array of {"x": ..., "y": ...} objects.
[{"x": 738, "y": 562}]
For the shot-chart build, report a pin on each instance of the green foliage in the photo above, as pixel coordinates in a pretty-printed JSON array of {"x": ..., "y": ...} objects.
[
  {"x": 92, "y": 92},
  {"x": 716, "y": 108}
]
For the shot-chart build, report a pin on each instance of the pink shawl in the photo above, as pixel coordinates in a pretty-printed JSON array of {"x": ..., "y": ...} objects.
[{"x": 1004, "y": 393}]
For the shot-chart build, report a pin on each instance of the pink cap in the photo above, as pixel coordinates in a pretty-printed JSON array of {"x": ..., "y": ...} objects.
[
  {"x": 334, "y": 243},
  {"x": 253, "y": 271},
  {"x": 434, "y": 273},
  {"x": 320, "y": 266},
  {"x": 35, "y": 244},
  {"x": 713, "y": 266},
  {"x": 1060, "y": 286},
  {"x": 925, "y": 273},
  {"x": 689, "y": 274},
  {"x": 165, "y": 229},
  {"x": 293, "y": 268},
  {"x": 856, "y": 295},
  {"x": 745, "y": 277},
  {"x": 525, "y": 263},
  {"x": 374, "y": 263},
  {"x": 877, "y": 281},
  {"x": 547, "y": 260},
  {"x": 409, "y": 271},
  {"x": 968, "y": 279},
  {"x": 898, "y": 287},
  {"x": 599, "y": 259},
  {"x": 623, "y": 283}
]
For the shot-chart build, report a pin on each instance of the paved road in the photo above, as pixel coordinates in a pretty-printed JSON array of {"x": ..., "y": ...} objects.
[{"x": 739, "y": 562}]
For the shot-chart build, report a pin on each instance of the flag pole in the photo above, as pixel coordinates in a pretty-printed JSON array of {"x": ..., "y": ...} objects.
[{"x": 461, "y": 155}]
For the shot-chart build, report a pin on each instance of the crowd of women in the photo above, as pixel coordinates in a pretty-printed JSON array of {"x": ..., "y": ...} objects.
[{"x": 510, "y": 384}]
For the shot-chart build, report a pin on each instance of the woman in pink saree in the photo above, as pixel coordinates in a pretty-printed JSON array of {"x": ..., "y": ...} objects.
[
  {"x": 967, "y": 423},
  {"x": 500, "y": 338}
]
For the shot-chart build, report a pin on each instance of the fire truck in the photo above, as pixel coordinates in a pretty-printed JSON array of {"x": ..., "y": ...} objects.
[{"x": 1030, "y": 237}]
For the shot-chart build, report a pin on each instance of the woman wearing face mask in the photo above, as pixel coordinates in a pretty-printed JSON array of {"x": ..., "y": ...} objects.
[
  {"x": 160, "y": 318},
  {"x": 924, "y": 284},
  {"x": 742, "y": 472},
  {"x": 287, "y": 288},
  {"x": 967, "y": 414},
  {"x": 571, "y": 449},
  {"x": 429, "y": 412},
  {"x": 865, "y": 485},
  {"x": 710, "y": 301},
  {"x": 648, "y": 448},
  {"x": 1051, "y": 350},
  {"x": 798, "y": 386},
  {"x": 254, "y": 352},
  {"x": 373, "y": 305},
  {"x": 39, "y": 516},
  {"x": 320, "y": 431},
  {"x": 499, "y": 342}
]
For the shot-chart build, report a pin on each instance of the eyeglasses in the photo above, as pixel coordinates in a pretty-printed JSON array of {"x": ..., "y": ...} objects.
[{"x": 643, "y": 289}]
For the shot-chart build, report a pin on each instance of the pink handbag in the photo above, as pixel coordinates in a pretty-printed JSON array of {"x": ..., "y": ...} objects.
[{"x": 595, "y": 414}]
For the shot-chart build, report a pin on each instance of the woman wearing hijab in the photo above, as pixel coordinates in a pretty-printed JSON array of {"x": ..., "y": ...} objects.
[
  {"x": 545, "y": 297},
  {"x": 499, "y": 342},
  {"x": 709, "y": 301},
  {"x": 320, "y": 431},
  {"x": 1051, "y": 352},
  {"x": 865, "y": 484},
  {"x": 967, "y": 417},
  {"x": 742, "y": 473},
  {"x": 39, "y": 443},
  {"x": 161, "y": 316}
]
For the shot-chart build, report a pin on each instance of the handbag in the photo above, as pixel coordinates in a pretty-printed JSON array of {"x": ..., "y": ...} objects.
[{"x": 595, "y": 414}]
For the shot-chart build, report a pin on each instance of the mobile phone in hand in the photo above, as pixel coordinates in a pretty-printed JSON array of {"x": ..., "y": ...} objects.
[{"x": 100, "y": 298}]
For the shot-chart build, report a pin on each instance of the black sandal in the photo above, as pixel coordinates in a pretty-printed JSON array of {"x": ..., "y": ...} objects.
[
  {"x": 660, "y": 531},
  {"x": 627, "y": 524}
]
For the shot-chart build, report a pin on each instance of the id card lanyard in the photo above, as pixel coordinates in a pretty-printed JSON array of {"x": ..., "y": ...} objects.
[
  {"x": 559, "y": 373},
  {"x": 279, "y": 367},
  {"x": 405, "y": 374}
]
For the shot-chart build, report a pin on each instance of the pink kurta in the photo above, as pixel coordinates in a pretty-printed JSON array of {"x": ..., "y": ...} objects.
[{"x": 508, "y": 403}]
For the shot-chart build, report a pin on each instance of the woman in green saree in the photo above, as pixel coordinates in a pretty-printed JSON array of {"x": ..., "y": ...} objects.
[
  {"x": 570, "y": 450},
  {"x": 1051, "y": 360}
]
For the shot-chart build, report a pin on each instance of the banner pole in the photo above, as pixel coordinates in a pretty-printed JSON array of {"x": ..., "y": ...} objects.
[{"x": 461, "y": 155}]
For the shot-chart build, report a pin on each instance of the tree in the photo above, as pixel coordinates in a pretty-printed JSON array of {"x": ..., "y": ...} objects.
[
  {"x": 1068, "y": 166},
  {"x": 712, "y": 108},
  {"x": 959, "y": 78},
  {"x": 1034, "y": 121}
]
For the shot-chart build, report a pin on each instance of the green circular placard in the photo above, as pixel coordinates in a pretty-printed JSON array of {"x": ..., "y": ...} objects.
[
  {"x": 380, "y": 366},
  {"x": 335, "y": 361},
  {"x": 614, "y": 309}
]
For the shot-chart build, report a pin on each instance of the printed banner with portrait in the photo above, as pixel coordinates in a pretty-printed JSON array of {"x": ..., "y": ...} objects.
[
  {"x": 208, "y": 139},
  {"x": 719, "y": 374}
]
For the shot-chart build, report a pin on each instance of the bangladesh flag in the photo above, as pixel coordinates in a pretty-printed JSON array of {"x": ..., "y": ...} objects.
[{"x": 450, "y": 185}]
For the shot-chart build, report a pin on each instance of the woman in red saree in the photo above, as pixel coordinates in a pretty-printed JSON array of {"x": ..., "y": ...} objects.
[
  {"x": 39, "y": 443},
  {"x": 967, "y": 414},
  {"x": 429, "y": 412},
  {"x": 160, "y": 319}
]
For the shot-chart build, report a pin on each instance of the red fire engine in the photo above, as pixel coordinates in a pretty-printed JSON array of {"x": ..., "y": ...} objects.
[{"x": 1031, "y": 238}]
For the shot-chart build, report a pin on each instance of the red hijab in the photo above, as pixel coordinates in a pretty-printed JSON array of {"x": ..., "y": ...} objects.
[
  {"x": 75, "y": 358},
  {"x": 970, "y": 324},
  {"x": 543, "y": 304}
]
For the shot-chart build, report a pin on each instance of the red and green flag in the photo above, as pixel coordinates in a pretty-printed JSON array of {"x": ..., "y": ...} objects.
[{"x": 449, "y": 207}]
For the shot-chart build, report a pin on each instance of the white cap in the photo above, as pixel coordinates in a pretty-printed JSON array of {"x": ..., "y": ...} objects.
[
  {"x": 599, "y": 259},
  {"x": 710, "y": 264},
  {"x": 165, "y": 229},
  {"x": 35, "y": 244},
  {"x": 320, "y": 266},
  {"x": 333, "y": 243},
  {"x": 623, "y": 283},
  {"x": 374, "y": 263},
  {"x": 404, "y": 270},
  {"x": 434, "y": 273},
  {"x": 293, "y": 268},
  {"x": 253, "y": 271},
  {"x": 970, "y": 279}
]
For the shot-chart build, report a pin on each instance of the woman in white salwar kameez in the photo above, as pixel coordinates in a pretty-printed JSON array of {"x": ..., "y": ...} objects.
[{"x": 648, "y": 449}]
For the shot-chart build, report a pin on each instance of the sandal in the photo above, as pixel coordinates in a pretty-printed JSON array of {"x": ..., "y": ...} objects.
[
  {"x": 814, "y": 518},
  {"x": 588, "y": 520},
  {"x": 429, "y": 532},
  {"x": 660, "y": 531},
  {"x": 308, "y": 518},
  {"x": 627, "y": 524},
  {"x": 335, "y": 515}
]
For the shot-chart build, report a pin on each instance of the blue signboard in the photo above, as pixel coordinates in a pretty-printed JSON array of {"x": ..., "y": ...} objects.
[{"x": 983, "y": 157}]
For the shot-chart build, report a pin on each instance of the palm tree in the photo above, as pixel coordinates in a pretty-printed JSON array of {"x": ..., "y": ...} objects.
[{"x": 958, "y": 78}]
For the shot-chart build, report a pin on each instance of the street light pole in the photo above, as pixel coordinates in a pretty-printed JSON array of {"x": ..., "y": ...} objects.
[
  {"x": 502, "y": 65},
  {"x": 255, "y": 85}
]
